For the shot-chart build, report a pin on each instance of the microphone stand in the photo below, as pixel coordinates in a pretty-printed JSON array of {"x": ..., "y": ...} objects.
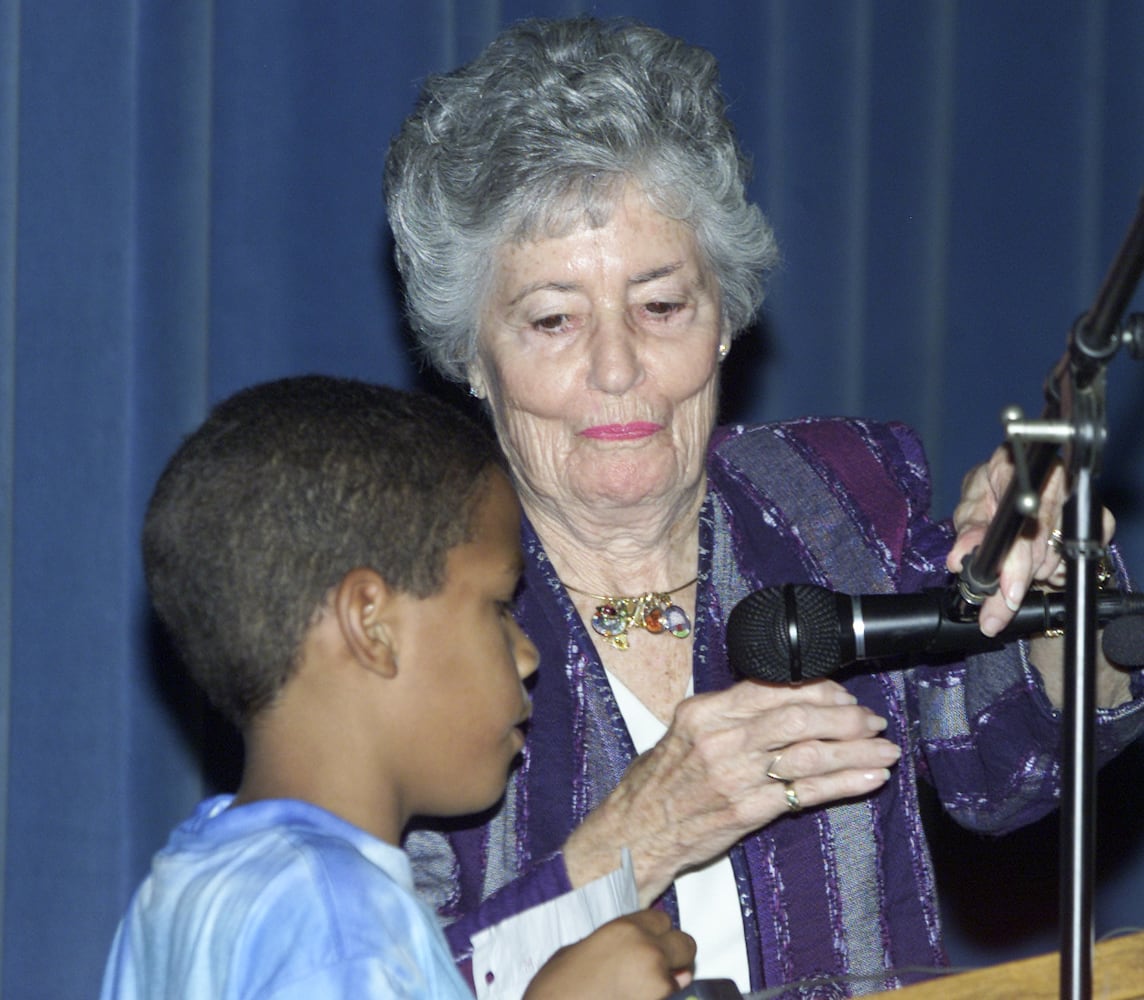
[{"x": 1074, "y": 417}]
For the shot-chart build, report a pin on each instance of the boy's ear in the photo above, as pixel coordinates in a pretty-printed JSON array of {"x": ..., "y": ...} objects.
[{"x": 361, "y": 603}]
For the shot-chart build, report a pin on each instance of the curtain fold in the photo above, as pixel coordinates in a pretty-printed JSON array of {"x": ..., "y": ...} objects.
[
  {"x": 8, "y": 117},
  {"x": 190, "y": 201}
]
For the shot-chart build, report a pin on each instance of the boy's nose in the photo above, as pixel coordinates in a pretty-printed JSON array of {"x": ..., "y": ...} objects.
[{"x": 525, "y": 653}]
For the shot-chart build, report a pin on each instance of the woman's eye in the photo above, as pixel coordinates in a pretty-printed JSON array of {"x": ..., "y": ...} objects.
[
  {"x": 551, "y": 324},
  {"x": 664, "y": 309}
]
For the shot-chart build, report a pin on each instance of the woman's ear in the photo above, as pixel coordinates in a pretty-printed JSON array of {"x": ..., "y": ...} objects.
[
  {"x": 362, "y": 603},
  {"x": 476, "y": 380},
  {"x": 481, "y": 374}
]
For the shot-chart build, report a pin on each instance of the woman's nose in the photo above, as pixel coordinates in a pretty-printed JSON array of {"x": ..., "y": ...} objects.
[{"x": 616, "y": 365}]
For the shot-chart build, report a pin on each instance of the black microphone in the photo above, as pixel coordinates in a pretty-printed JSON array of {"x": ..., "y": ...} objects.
[
  {"x": 1123, "y": 641},
  {"x": 797, "y": 632}
]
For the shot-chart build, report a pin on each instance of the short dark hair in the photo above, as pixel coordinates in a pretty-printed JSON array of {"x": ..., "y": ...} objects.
[{"x": 284, "y": 489}]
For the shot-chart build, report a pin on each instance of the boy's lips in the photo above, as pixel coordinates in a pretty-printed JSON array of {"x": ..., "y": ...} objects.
[{"x": 621, "y": 432}]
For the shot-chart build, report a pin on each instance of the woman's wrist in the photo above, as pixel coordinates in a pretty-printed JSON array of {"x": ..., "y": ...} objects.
[{"x": 594, "y": 849}]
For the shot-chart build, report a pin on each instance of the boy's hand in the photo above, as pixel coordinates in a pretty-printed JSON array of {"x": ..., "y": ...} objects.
[{"x": 637, "y": 957}]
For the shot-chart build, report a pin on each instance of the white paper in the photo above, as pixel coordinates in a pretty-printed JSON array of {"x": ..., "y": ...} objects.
[{"x": 507, "y": 955}]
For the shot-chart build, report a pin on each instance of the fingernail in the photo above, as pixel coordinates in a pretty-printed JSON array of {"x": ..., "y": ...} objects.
[
  {"x": 882, "y": 775},
  {"x": 844, "y": 697},
  {"x": 1013, "y": 598},
  {"x": 990, "y": 625},
  {"x": 890, "y": 752},
  {"x": 875, "y": 723}
]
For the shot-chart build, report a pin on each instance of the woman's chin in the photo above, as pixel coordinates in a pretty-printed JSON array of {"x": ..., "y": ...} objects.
[{"x": 631, "y": 486}]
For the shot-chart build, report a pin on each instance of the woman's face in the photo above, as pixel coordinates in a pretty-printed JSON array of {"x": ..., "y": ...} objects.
[{"x": 599, "y": 353}]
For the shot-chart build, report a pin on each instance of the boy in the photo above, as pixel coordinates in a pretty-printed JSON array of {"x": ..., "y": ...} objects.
[{"x": 336, "y": 563}]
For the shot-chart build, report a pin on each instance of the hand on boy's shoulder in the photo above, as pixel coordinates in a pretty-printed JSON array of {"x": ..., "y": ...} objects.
[{"x": 636, "y": 957}]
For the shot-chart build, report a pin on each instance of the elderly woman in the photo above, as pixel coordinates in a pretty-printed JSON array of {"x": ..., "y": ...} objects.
[{"x": 575, "y": 243}]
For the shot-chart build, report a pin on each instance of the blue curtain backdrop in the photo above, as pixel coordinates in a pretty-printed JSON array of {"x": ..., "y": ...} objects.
[{"x": 190, "y": 202}]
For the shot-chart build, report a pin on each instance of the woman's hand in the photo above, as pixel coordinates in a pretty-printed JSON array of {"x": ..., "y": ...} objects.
[
  {"x": 1031, "y": 560},
  {"x": 637, "y": 957},
  {"x": 705, "y": 785}
]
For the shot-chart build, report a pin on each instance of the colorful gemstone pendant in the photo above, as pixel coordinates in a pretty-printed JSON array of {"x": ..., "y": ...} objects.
[
  {"x": 608, "y": 622},
  {"x": 651, "y": 611},
  {"x": 677, "y": 622}
]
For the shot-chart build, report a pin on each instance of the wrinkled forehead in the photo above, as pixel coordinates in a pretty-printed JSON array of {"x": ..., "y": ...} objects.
[{"x": 586, "y": 201}]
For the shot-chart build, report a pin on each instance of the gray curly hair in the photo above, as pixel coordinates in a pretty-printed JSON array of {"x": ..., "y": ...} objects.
[{"x": 541, "y": 132}]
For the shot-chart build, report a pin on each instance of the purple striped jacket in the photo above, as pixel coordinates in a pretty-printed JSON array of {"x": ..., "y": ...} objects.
[{"x": 844, "y": 891}]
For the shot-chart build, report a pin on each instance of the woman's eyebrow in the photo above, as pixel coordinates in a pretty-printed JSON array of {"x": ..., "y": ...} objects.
[
  {"x": 642, "y": 278},
  {"x": 538, "y": 286},
  {"x": 656, "y": 272}
]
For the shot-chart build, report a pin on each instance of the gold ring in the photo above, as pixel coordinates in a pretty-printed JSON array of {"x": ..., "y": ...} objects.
[
  {"x": 1056, "y": 540},
  {"x": 791, "y": 797},
  {"x": 771, "y": 770}
]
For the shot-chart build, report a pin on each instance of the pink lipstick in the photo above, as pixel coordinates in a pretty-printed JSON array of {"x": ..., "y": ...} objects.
[{"x": 621, "y": 432}]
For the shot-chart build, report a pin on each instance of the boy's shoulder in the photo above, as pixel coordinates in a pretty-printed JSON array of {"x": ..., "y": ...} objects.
[
  {"x": 284, "y": 849},
  {"x": 275, "y": 891}
]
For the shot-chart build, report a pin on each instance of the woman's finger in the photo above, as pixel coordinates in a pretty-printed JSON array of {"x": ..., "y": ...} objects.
[
  {"x": 777, "y": 799},
  {"x": 816, "y": 757}
]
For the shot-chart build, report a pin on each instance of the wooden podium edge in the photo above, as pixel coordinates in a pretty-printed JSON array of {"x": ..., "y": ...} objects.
[{"x": 1117, "y": 974}]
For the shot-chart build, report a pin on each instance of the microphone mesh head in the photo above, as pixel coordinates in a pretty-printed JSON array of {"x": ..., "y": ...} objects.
[
  {"x": 760, "y": 643},
  {"x": 1123, "y": 641}
]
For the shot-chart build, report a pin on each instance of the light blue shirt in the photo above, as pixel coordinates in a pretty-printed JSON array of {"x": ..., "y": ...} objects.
[{"x": 278, "y": 900}]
